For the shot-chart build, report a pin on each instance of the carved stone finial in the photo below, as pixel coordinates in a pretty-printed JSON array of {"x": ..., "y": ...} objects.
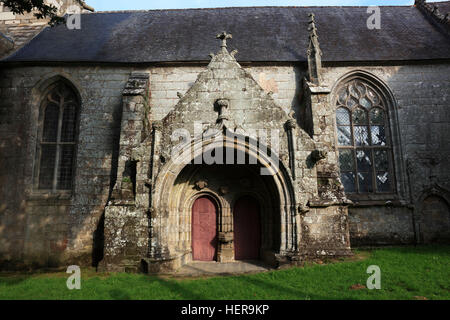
[
  {"x": 222, "y": 105},
  {"x": 224, "y": 37},
  {"x": 314, "y": 53}
]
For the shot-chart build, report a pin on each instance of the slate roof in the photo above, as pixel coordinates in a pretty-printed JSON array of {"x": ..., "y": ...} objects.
[
  {"x": 276, "y": 34},
  {"x": 444, "y": 7}
]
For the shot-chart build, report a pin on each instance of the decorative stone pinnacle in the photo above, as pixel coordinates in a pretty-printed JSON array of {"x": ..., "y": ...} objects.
[
  {"x": 312, "y": 27},
  {"x": 224, "y": 37},
  {"x": 313, "y": 37},
  {"x": 314, "y": 53}
]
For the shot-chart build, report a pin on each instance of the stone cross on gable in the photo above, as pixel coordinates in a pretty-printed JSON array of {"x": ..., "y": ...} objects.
[{"x": 224, "y": 37}]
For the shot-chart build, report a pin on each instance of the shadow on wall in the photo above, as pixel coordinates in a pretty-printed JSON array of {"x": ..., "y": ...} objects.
[
  {"x": 98, "y": 239},
  {"x": 303, "y": 109},
  {"x": 98, "y": 245},
  {"x": 425, "y": 145},
  {"x": 46, "y": 231}
]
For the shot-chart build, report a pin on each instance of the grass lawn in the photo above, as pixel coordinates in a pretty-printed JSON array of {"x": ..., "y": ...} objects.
[{"x": 406, "y": 273}]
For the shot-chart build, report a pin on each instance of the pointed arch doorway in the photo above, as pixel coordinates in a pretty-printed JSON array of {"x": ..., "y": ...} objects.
[
  {"x": 204, "y": 229},
  {"x": 247, "y": 229}
]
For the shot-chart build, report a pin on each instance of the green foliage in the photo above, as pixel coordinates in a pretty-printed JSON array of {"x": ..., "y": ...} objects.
[
  {"x": 126, "y": 179},
  {"x": 43, "y": 10},
  {"x": 406, "y": 273}
]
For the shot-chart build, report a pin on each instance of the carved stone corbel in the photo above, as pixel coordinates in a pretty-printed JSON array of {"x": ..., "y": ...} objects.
[
  {"x": 318, "y": 155},
  {"x": 290, "y": 126}
]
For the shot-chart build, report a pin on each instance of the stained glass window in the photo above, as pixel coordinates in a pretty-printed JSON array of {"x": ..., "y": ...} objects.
[
  {"x": 57, "y": 144},
  {"x": 363, "y": 142}
]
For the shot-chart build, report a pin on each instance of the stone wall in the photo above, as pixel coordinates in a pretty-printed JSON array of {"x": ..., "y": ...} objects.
[
  {"x": 44, "y": 228},
  {"x": 166, "y": 82},
  {"x": 422, "y": 101},
  {"x": 48, "y": 230},
  {"x": 34, "y": 225}
]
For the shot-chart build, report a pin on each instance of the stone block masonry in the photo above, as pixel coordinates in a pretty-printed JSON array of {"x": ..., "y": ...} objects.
[{"x": 43, "y": 229}]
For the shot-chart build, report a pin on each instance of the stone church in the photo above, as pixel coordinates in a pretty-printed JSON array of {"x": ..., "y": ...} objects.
[{"x": 147, "y": 140}]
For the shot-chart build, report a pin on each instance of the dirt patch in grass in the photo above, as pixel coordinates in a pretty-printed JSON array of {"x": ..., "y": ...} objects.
[{"x": 357, "y": 286}]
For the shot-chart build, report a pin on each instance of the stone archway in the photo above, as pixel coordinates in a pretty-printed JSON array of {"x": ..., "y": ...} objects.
[
  {"x": 180, "y": 181},
  {"x": 224, "y": 184}
]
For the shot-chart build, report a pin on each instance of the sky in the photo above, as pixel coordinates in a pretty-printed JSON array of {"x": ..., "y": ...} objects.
[{"x": 106, "y": 5}]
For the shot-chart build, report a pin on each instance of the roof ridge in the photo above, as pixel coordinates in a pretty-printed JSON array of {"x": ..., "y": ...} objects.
[{"x": 238, "y": 7}]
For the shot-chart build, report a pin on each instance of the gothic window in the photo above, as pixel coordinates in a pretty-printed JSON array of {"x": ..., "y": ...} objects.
[
  {"x": 363, "y": 139},
  {"x": 57, "y": 138}
]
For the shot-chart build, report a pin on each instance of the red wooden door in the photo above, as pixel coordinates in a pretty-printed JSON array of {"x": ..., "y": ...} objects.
[
  {"x": 204, "y": 229},
  {"x": 247, "y": 229}
]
